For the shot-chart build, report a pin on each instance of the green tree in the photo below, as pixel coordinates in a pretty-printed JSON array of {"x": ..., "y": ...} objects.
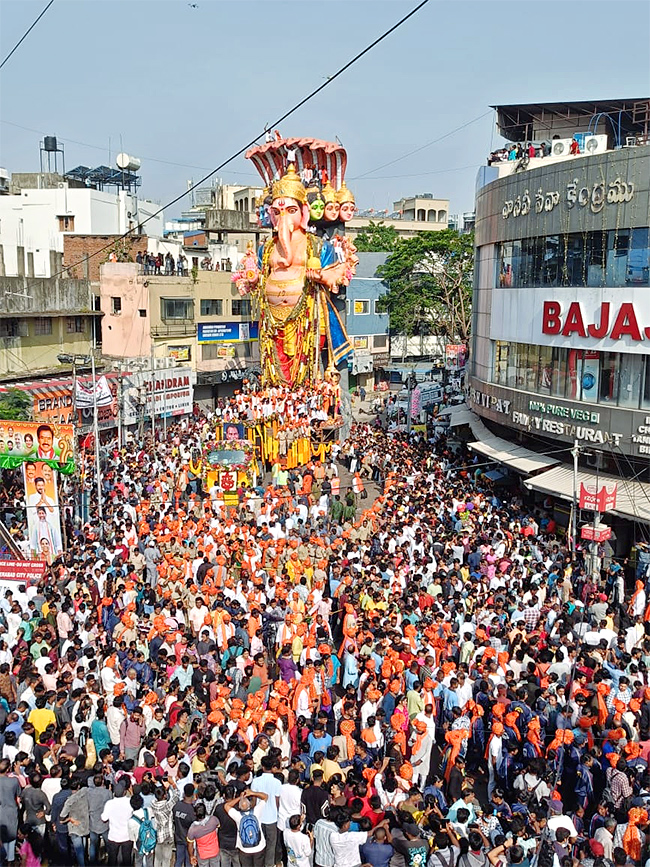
[
  {"x": 429, "y": 279},
  {"x": 377, "y": 238},
  {"x": 15, "y": 405}
]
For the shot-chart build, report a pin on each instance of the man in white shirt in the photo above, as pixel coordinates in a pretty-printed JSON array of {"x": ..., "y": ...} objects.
[
  {"x": 117, "y": 813},
  {"x": 605, "y": 836},
  {"x": 559, "y": 820},
  {"x": 345, "y": 843},
  {"x": 197, "y": 614},
  {"x": 426, "y": 716},
  {"x": 248, "y": 802},
  {"x": 268, "y": 784}
]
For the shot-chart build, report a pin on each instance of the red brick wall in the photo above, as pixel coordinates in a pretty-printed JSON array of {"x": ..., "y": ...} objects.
[{"x": 77, "y": 247}]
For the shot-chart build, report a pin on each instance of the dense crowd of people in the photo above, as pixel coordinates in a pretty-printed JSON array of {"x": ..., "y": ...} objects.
[{"x": 426, "y": 678}]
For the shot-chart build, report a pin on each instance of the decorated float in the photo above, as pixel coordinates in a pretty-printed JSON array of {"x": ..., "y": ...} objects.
[{"x": 230, "y": 463}]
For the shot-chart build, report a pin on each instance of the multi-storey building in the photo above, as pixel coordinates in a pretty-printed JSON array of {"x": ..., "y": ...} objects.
[{"x": 562, "y": 302}]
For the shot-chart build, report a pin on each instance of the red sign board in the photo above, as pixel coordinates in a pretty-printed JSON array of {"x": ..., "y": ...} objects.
[
  {"x": 598, "y": 500},
  {"x": 23, "y": 571},
  {"x": 599, "y": 534}
]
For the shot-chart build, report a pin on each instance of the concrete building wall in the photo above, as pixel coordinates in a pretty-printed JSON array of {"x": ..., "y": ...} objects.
[
  {"x": 141, "y": 321},
  {"x": 38, "y": 220},
  {"x": 125, "y": 333},
  {"x": 40, "y": 319},
  {"x": 406, "y": 228}
]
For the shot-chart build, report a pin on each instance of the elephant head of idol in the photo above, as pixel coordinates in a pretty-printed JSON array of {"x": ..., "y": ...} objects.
[{"x": 289, "y": 214}]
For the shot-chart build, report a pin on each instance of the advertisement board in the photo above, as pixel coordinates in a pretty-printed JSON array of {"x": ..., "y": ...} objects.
[
  {"x": 226, "y": 332},
  {"x": 180, "y": 353},
  {"x": 455, "y": 356},
  {"x": 86, "y": 396},
  {"x": 22, "y": 441},
  {"x": 575, "y": 318},
  {"x": 54, "y": 402},
  {"x": 43, "y": 513},
  {"x": 600, "y": 533},
  {"x": 173, "y": 394},
  {"x": 54, "y": 405}
]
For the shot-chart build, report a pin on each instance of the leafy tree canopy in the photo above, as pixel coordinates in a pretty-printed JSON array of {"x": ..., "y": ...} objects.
[
  {"x": 15, "y": 405},
  {"x": 429, "y": 279},
  {"x": 377, "y": 238}
]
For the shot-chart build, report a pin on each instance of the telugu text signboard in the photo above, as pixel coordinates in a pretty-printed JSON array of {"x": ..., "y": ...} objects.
[{"x": 601, "y": 499}]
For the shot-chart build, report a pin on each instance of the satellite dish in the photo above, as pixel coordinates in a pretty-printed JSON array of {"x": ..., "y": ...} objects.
[{"x": 127, "y": 163}]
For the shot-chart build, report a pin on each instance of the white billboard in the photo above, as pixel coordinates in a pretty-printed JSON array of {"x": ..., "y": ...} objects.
[
  {"x": 617, "y": 320},
  {"x": 173, "y": 394}
]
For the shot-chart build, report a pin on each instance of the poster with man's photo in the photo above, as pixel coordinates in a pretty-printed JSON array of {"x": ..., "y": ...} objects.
[{"x": 43, "y": 513}]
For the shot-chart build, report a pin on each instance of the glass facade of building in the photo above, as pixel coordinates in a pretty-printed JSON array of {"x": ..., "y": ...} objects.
[
  {"x": 617, "y": 257},
  {"x": 612, "y": 378}
]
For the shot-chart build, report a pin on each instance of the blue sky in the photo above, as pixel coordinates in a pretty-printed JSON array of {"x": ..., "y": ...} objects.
[{"x": 192, "y": 85}]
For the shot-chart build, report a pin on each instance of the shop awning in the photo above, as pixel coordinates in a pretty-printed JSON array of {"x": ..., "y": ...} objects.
[
  {"x": 457, "y": 419},
  {"x": 632, "y": 498},
  {"x": 458, "y": 415},
  {"x": 503, "y": 452}
]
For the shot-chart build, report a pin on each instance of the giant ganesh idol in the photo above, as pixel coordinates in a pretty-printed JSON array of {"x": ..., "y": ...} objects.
[{"x": 306, "y": 261}]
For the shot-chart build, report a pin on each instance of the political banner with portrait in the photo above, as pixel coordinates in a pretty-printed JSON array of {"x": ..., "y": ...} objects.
[
  {"x": 22, "y": 441},
  {"x": 43, "y": 513}
]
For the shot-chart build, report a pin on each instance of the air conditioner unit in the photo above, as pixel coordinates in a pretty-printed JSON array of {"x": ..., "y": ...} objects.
[
  {"x": 594, "y": 460},
  {"x": 560, "y": 147},
  {"x": 595, "y": 144}
]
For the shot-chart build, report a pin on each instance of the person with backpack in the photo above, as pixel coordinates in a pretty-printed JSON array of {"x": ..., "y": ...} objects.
[
  {"x": 246, "y": 810},
  {"x": 142, "y": 833},
  {"x": 203, "y": 839},
  {"x": 227, "y": 833}
]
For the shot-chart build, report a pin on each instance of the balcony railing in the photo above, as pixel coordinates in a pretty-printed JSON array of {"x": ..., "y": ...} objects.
[{"x": 181, "y": 328}]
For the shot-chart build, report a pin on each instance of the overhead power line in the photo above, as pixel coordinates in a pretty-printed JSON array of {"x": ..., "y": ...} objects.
[
  {"x": 97, "y": 147},
  {"x": 250, "y": 144},
  {"x": 25, "y": 34},
  {"x": 423, "y": 147}
]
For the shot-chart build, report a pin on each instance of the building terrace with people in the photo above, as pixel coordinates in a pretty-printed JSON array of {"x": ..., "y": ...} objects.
[{"x": 562, "y": 303}]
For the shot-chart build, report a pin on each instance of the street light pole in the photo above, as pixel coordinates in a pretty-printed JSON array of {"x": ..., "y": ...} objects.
[
  {"x": 100, "y": 510},
  {"x": 575, "y": 451},
  {"x": 408, "y": 408}
]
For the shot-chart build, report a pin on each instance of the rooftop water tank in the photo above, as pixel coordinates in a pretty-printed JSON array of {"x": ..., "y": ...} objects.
[{"x": 127, "y": 163}]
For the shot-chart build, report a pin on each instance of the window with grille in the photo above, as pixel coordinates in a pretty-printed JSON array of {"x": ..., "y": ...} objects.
[
  {"x": 176, "y": 308},
  {"x": 211, "y": 307},
  {"x": 241, "y": 307},
  {"x": 75, "y": 325},
  {"x": 42, "y": 325}
]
